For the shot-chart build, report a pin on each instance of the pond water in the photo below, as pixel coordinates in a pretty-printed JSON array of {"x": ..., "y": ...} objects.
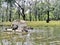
[{"x": 42, "y": 36}]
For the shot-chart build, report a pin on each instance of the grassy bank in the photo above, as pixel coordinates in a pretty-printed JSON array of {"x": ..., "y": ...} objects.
[
  {"x": 38, "y": 24},
  {"x": 5, "y": 23}
]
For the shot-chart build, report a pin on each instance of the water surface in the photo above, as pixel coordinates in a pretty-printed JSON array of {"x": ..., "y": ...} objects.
[{"x": 42, "y": 36}]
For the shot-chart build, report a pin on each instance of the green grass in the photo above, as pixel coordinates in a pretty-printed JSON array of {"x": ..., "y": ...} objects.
[
  {"x": 38, "y": 24},
  {"x": 5, "y": 23}
]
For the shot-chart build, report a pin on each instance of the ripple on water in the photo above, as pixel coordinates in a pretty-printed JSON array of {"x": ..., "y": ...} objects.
[
  {"x": 6, "y": 42},
  {"x": 18, "y": 43}
]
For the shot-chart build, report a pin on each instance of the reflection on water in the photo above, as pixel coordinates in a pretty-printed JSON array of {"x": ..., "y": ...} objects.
[
  {"x": 43, "y": 36},
  {"x": 6, "y": 42}
]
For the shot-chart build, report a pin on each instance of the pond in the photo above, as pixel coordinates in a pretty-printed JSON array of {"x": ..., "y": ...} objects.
[{"x": 42, "y": 36}]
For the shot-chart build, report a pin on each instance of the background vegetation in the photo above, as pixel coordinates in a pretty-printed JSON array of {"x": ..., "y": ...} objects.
[{"x": 29, "y": 10}]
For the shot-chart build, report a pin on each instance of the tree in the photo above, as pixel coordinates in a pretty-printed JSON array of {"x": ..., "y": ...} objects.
[
  {"x": 35, "y": 12},
  {"x": 30, "y": 17},
  {"x": 0, "y": 3},
  {"x": 23, "y": 10},
  {"x": 47, "y": 11},
  {"x": 38, "y": 10},
  {"x": 1, "y": 10},
  {"x": 7, "y": 12},
  {"x": 10, "y": 2},
  {"x": 57, "y": 10}
]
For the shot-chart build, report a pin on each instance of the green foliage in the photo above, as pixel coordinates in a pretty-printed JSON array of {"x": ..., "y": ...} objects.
[
  {"x": 57, "y": 10},
  {"x": 38, "y": 10}
]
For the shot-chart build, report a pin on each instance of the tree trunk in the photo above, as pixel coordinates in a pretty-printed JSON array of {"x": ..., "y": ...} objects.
[
  {"x": 35, "y": 15},
  {"x": 38, "y": 17},
  {"x": 23, "y": 14},
  {"x": 7, "y": 13},
  {"x": 48, "y": 17},
  {"x": 19, "y": 13},
  {"x": 48, "y": 13},
  {"x": 35, "y": 10},
  {"x": 2, "y": 18},
  {"x": 30, "y": 15},
  {"x": 10, "y": 12}
]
